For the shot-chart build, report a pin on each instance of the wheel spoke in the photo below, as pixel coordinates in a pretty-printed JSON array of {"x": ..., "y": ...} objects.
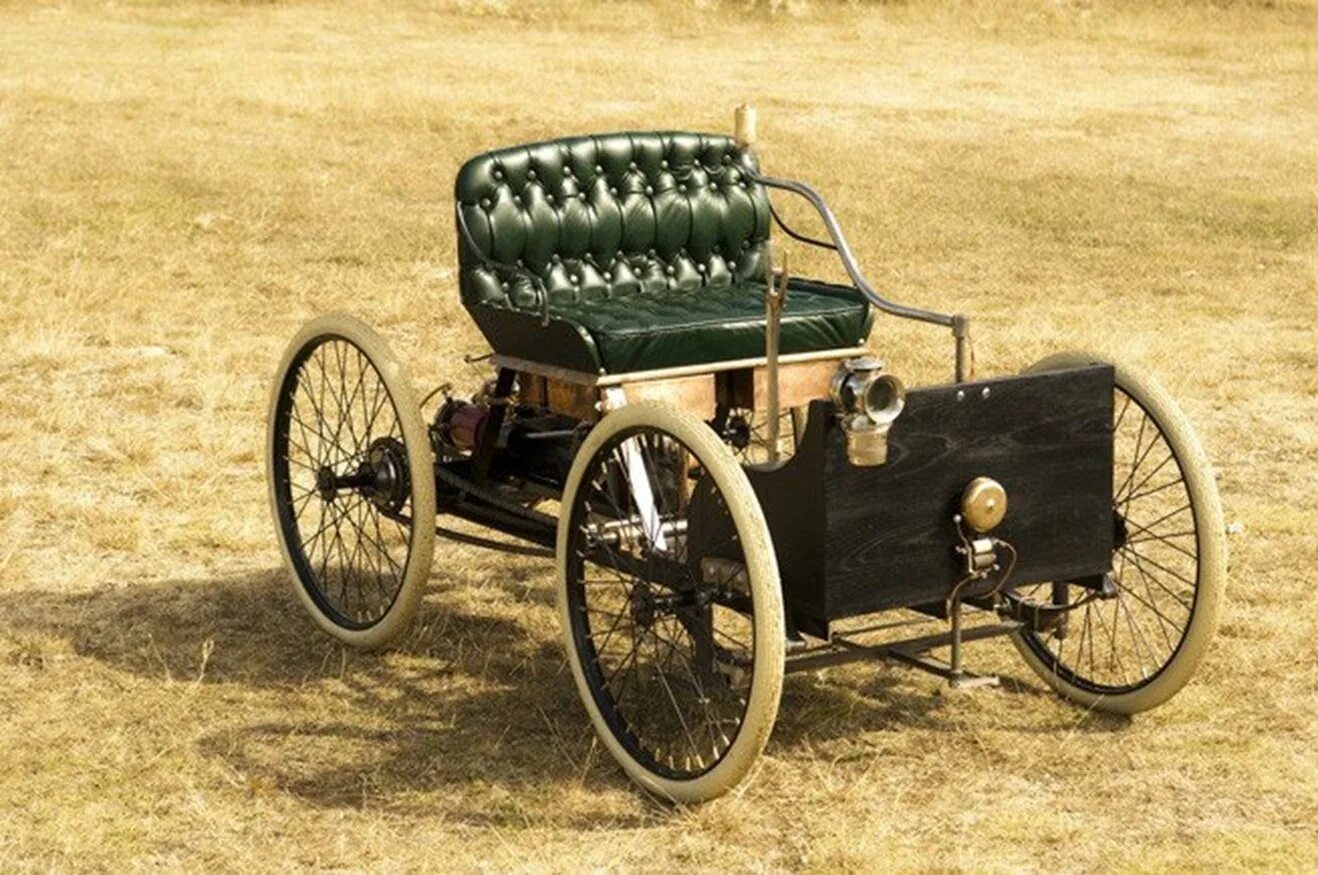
[
  {"x": 1138, "y": 561},
  {"x": 1133, "y": 493},
  {"x": 1140, "y": 557}
]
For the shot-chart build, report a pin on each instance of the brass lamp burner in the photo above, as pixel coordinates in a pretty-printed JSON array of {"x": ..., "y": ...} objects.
[{"x": 983, "y": 504}]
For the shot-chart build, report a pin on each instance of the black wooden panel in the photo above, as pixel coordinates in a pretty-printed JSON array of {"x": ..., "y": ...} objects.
[
  {"x": 792, "y": 498},
  {"x": 888, "y": 534}
]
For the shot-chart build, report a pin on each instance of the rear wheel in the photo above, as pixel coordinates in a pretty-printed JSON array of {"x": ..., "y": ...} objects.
[
  {"x": 1134, "y": 651},
  {"x": 350, "y": 469},
  {"x": 670, "y": 602},
  {"x": 747, "y": 432}
]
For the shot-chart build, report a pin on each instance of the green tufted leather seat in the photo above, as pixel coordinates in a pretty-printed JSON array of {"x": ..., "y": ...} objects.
[{"x": 641, "y": 250}]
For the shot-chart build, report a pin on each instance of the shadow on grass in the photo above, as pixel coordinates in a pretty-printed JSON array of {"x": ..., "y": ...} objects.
[{"x": 470, "y": 702}]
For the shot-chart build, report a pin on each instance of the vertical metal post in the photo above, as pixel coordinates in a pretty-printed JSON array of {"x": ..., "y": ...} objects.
[
  {"x": 965, "y": 354},
  {"x": 956, "y": 641},
  {"x": 775, "y": 295},
  {"x": 1061, "y": 595}
]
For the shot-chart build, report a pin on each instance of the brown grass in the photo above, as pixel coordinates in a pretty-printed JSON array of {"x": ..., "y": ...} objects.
[{"x": 182, "y": 185}]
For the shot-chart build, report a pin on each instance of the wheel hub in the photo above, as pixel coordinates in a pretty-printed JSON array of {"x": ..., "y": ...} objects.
[
  {"x": 386, "y": 466},
  {"x": 647, "y": 605},
  {"x": 382, "y": 477},
  {"x": 737, "y": 433},
  {"x": 643, "y": 608},
  {"x": 326, "y": 483}
]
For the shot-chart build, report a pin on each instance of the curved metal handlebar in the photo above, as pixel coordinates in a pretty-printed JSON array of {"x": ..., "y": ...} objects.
[
  {"x": 848, "y": 259},
  {"x": 959, "y": 324}
]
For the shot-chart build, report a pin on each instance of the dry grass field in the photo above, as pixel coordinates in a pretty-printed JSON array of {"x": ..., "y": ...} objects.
[{"x": 181, "y": 185}]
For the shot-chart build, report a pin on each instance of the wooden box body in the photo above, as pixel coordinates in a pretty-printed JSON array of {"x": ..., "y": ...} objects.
[{"x": 855, "y": 540}]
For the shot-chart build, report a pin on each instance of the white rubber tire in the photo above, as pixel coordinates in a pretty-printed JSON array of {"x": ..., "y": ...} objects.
[
  {"x": 419, "y": 458},
  {"x": 765, "y": 586},
  {"x": 1210, "y": 536}
]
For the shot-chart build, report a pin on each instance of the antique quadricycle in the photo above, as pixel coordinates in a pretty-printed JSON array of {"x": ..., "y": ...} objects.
[{"x": 727, "y": 479}]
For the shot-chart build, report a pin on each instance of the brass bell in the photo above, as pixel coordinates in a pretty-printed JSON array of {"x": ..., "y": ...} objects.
[{"x": 983, "y": 504}]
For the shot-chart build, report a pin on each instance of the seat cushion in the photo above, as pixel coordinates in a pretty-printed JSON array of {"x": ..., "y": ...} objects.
[{"x": 643, "y": 332}]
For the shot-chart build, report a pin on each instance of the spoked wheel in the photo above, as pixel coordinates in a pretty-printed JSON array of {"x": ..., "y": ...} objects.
[
  {"x": 350, "y": 468},
  {"x": 670, "y": 602},
  {"x": 1134, "y": 651}
]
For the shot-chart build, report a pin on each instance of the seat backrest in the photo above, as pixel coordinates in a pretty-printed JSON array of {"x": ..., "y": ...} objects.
[{"x": 613, "y": 214}]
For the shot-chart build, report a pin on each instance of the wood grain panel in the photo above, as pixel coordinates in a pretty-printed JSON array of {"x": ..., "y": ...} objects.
[{"x": 885, "y": 535}]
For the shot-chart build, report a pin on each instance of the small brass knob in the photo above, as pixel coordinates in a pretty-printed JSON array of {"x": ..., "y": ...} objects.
[{"x": 984, "y": 504}]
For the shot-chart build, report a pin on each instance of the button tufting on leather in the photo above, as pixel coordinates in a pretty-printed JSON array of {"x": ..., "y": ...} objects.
[{"x": 646, "y": 248}]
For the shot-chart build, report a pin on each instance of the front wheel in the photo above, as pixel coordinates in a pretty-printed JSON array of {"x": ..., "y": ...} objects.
[
  {"x": 1135, "y": 650},
  {"x": 670, "y": 602}
]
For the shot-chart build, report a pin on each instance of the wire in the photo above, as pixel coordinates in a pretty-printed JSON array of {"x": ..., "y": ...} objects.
[
  {"x": 1011, "y": 566},
  {"x": 442, "y": 387},
  {"x": 795, "y": 235}
]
